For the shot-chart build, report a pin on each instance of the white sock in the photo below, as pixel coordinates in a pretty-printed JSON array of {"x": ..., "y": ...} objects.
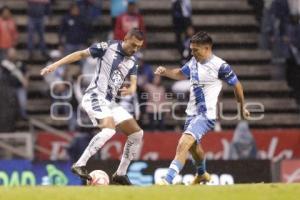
[
  {"x": 131, "y": 149},
  {"x": 95, "y": 144}
]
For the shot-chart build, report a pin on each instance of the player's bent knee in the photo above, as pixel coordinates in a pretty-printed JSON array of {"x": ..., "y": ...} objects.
[
  {"x": 137, "y": 136},
  {"x": 108, "y": 131},
  {"x": 107, "y": 123}
]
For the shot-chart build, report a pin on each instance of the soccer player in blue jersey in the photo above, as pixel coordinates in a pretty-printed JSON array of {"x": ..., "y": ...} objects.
[
  {"x": 206, "y": 72},
  {"x": 116, "y": 61}
]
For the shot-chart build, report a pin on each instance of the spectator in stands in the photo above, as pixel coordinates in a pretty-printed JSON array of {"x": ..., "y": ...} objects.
[
  {"x": 243, "y": 145},
  {"x": 293, "y": 59},
  {"x": 266, "y": 24},
  {"x": 117, "y": 8},
  {"x": 145, "y": 76},
  {"x": 294, "y": 22},
  {"x": 75, "y": 100},
  {"x": 8, "y": 102},
  {"x": 18, "y": 80},
  {"x": 280, "y": 11},
  {"x": 186, "y": 53},
  {"x": 78, "y": 144},
  {"x": 131, "y": 19},
  {"x": 37, "y": 12},
  {"x": 74, "y": 30},
  {"x": 8, "y": 31},
  {"x": 274, "y": 36},
  {"x": 91, "y": 10},
  {"x": 56, "y": 84},
  {"x": 182, "y": 18},
  {"x": 258, "y": 6},
  {"x": 145, "y": 73},
  {"x": 59, "y": 74},
  {"x": 155, "y": 108}
]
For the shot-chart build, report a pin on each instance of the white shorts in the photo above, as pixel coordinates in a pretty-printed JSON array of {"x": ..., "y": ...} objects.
[{"x": 99, "y": 108}]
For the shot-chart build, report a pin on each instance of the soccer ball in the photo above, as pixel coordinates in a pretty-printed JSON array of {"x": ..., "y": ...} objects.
[{"x": 99, "y": 177}]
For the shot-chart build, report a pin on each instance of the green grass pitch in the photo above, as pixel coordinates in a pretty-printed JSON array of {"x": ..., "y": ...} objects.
[{"x": 241, "y": 191}]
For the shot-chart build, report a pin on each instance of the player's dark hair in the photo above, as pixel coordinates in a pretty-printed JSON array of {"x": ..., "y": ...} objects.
[
  {"x": 136, "y": 33},
  {"x": 202, "y": 37}
]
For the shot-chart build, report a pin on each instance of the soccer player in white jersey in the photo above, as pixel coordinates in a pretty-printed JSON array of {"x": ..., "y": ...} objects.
[
  {"x": 205, "y": 72},
  {"x": 116, "y": 61}
]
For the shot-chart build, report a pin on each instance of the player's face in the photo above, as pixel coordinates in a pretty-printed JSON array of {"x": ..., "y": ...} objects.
[
  {"x": 199, "y": 51},
  {"x": 132, "y": 45}
]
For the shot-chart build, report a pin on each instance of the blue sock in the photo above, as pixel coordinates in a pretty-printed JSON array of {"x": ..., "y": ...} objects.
[
  {"x": 174, "y": 169},
  {"x": 201, "y": 169}
]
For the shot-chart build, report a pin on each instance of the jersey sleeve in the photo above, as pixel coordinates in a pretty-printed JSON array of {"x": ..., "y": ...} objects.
[
  {"x": 185, "y": 69},
  {"x": 97, "y": 50},
  {"x": 226, "y": 74}
]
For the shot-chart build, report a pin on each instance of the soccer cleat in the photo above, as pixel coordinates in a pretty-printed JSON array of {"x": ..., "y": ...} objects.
[
  {"x": 204, "y": 178},
  {"x": 162, "y": 182},
  {"x": 120, "y": 180},
  {"x": 82, "y": 172}
]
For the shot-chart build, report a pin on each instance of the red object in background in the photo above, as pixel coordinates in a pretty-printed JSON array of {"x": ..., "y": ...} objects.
[
  {"x": 271, "y": 144},
  {"x": 290, "y": 171},
  {"x": 8, "y": 33},
  {"x": 54, "y": 144},
  {"x": 126, "y": 22}
]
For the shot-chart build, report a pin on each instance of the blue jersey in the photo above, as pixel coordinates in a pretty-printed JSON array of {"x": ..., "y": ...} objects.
[
  {"x": 113, "y": 67},
  {"x": 206, "y": 84}
]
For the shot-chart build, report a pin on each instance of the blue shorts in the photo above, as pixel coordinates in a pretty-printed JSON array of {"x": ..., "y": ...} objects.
[{"x": 198, "y": 126}]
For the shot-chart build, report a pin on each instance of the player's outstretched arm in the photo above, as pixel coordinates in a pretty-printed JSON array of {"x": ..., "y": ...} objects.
[
  {"x": 239, "y": 95},
  {"x": 73, "y": 57},
  {"x": 170, "y": 73}
]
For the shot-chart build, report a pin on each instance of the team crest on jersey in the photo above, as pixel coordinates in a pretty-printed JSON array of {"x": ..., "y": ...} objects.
[{"x": 117, "y": 78}]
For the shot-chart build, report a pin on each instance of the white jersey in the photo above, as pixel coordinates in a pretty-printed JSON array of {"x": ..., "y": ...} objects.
[
  {"x": 113, "y": 67},
  {"x": 206, "y": 84}
]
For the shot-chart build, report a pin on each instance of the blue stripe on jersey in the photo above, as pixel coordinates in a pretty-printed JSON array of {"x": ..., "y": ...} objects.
[
  {"x": 109, "y": 94},
  {"x": 185, "y": 70},
  {"x": 200, "y": 98},
  {"x": 95, "y": 102},
  {"x": 98, "y": 50},
  {"x": 115, "y": 63},
  {"x": 226, "y": 74}
]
